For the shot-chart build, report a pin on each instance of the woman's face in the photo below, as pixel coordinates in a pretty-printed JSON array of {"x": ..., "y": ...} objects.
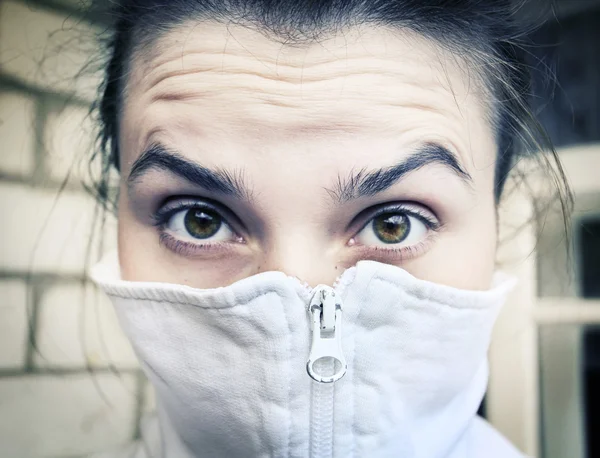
[{"x": 241, "y": 155}]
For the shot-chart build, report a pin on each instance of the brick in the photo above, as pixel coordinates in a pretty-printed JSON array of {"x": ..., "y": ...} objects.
[
  {"x": 50, "y": 416},
  {"x": 68, "y": 140},
  {"x": 41, "y": 232},
  {"x": 78, "y": 325},
  {"x": 13, "y": 323},
  {"x": 17, "y": 133},
  {"x": 48, "y": 49}
]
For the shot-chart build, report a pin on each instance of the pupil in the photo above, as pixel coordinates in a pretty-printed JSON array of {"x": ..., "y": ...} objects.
[
  {"x": 391, "y": 227},
  {"x": 201, "y": 223}
]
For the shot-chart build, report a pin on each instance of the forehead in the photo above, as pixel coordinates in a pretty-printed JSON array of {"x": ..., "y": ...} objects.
[{"x": 227, "y": 82}]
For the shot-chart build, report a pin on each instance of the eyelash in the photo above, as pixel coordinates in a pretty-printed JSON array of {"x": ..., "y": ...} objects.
[
  {"x": 183, "y": 248},
  {"x": 424, "y": 217},
  {"x": 401, "y": 252},
  {"x": 161, "y": 217}
]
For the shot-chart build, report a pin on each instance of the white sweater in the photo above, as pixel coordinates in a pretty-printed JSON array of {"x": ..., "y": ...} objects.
[{"x": 229, "y": 366}]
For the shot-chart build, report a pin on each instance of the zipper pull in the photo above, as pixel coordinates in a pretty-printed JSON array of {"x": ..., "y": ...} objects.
[{"x": 326, "y": 355}]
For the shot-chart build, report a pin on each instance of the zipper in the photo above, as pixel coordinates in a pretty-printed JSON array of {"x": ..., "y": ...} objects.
[{"x": 326, "y": 364}]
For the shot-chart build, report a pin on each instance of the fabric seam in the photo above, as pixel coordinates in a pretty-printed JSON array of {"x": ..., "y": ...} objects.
[
  {"x": 111, "y": 292},
  {"x": 289, "y": 379},
  {"x": 160, "y": 301},
  {"x": 358, "y": 315}
]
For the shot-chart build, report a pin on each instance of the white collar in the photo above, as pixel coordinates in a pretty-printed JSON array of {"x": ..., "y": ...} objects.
[{"x": 229, "y": 364}]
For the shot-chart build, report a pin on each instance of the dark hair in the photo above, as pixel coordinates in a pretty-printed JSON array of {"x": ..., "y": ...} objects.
[{"x": 483, "y": 32}]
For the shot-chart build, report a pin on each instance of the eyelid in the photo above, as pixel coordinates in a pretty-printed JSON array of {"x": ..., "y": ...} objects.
[
  {"x": 180, "y": 203},
  {"x": 414, "y": 209},
  {"x": 396, "y": 254}
]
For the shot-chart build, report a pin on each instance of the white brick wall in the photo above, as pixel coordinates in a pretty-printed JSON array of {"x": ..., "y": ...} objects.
[
  {"x": 50, "y": 416},
  {"x": 45, "y": 231},
  {"x": 77, "y": 326},
  {"x": 68, "y": 139},
  {"x": 50, "y": 404},
  {"x": 46, "y": 49}
]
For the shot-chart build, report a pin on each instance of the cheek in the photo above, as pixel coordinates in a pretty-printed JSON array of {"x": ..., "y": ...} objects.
[
  {"x": 463, "y": 256},
  {"x": 136, "y": 247}
]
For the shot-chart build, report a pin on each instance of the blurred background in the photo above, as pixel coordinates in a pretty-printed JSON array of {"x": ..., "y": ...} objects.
[{"x": 69, "y": 383}]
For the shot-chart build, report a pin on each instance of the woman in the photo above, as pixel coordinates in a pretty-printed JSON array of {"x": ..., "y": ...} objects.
[{"x": 268, "y": 150}]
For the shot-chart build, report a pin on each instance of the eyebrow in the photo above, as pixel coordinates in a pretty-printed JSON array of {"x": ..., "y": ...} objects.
[
  {"x": 368, "y": 183},
  {"x": 158, "y": 157},
  {"x": 359, "y": 184}
]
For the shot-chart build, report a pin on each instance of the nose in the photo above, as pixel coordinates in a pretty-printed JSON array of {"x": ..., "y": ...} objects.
[{"x": 302, "y": 257}]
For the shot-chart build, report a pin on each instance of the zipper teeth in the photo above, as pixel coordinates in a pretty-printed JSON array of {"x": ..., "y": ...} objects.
[
  {"x": 322, "y": 394},
  {"x": 344, "y": 279},
  {"x": 337, "y": 281},
  {"x": 303, "y": 288},
  {"x": 323, "y": 397},
  {"x": 306, "y": 291},
  {"x": 321, "y": 428}
]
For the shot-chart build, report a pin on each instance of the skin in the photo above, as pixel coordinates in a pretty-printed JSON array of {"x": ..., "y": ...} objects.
[{"x": 293, "y": 122}]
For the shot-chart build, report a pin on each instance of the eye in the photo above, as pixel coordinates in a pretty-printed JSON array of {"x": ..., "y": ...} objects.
[
  {"x": 193, "y": 224},
  {"x": 396, "y": 228},
  {"x": 199, "y": 224}
]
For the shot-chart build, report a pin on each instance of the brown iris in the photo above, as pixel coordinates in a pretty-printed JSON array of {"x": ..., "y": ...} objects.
[
  {"x": 391, "y": 227},
  {"x": 202, "y": 223}
]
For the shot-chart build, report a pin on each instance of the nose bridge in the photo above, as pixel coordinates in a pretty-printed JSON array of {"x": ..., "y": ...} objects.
[
  {"x": 301, "y": 256},
  {"x": 295, "y": 239}
]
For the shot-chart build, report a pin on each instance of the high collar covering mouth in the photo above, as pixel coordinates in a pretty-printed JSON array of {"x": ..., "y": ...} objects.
[
  {"x": 107, "y": 275},
  {"x": 229, "y": 364}
]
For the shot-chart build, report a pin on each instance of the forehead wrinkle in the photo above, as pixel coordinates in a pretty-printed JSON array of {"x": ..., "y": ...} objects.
[
  {"x": 286, "y": 75},
  {"x": 312, "y": 96},
  {"x": 169, "y": 75},
  {"x": 204, "y": 78},
  {"x": 249, "y": 86},
  {"x": 208, "y": 53},
  {"x": 301, "y": 121},
  {"x": 290, "y": 117},
  {"x": 237, "y": 82}
]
